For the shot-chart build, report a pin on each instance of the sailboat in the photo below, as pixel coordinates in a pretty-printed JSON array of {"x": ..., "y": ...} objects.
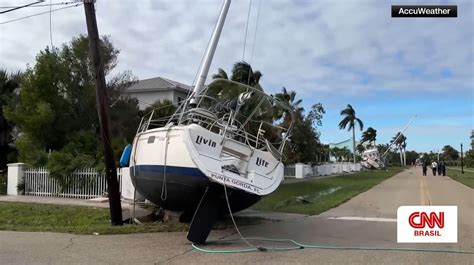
[
  {"x": 371, "y": 159},
  {"x": 210, "y": 155}
]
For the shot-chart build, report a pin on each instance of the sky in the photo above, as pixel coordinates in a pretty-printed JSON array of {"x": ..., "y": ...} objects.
[{"x": 333, "y": 52}]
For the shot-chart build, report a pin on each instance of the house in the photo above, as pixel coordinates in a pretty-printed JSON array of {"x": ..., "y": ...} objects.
[
  {"x": 148, "y": 91},
  {"x": 346, "y": 143}
]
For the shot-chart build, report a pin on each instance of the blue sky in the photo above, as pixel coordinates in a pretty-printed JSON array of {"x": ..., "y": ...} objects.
[{"x": 333, "y": 52}]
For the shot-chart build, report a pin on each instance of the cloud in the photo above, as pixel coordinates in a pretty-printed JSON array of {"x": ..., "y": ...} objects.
[{"x": 333, "y": 52}]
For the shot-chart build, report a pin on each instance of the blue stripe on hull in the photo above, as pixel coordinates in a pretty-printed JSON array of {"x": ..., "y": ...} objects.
[{"x": 186, "y": 171}]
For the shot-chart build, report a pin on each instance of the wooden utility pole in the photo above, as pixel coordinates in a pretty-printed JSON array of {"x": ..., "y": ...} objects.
[
  {"x": 102, "y": 109},
  {"x": 462, "y": 162}
]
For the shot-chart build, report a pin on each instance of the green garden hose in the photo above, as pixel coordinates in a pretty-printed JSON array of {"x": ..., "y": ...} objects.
[{"x": 298, "y": 246}]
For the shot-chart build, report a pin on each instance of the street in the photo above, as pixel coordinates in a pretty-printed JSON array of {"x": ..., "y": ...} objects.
[{"x": 367, "y": 220}]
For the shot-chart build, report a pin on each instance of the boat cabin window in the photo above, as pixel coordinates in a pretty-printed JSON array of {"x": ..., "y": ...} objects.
[{"x": 151, "y": 139}]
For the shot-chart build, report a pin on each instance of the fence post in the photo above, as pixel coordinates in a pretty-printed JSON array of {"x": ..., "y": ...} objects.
[
  {"x": 299, "y": 170},
  {"x": 16, "y": 174}
]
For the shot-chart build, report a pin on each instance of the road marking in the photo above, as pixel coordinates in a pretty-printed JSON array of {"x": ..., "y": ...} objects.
[
  {"x": 367, "y": 219},
  {"x": 425, "y": 196}
]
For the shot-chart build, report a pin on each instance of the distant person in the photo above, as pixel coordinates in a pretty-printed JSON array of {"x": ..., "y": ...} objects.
[
  {"x": 424, "y": 166},
  {"x": 443, "y": 168},
  {"x": 440, "y": 168},
  {"x": 434, "y": 167}
]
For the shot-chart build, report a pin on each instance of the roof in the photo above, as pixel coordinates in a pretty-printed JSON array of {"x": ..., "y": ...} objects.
[{"x": 158, "y": 83}]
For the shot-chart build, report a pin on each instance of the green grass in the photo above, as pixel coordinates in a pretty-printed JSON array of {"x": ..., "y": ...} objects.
[
  {"x": 322, "y": 194},
  {"x": 70, "y": 219},
  {"x": 467, "y": 178}
]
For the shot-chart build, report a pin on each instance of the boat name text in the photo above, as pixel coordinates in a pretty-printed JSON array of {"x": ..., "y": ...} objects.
[
  {"x": 204, "y": 141},
  {"x": 261, "y": 162}
]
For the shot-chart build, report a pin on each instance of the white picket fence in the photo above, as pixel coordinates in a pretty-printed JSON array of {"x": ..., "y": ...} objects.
[{"x": 86, "y": 183}]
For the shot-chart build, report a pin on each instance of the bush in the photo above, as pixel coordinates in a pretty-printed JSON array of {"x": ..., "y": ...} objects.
[{"x": 3, "y": 182}]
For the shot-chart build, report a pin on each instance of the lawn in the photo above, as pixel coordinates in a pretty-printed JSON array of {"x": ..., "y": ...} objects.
[
  {"x": 70, "y": 219},
  {"x": 467, "y": 178},
  {"x": 319, "y": 195}
]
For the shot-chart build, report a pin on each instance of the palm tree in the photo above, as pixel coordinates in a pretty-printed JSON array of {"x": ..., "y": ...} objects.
[
  {"x": 360, "y": 148},
  {"x": 288, "y": 99},
  {"x": 349, "y": 121},
  {"x": 220, "y": 74},
  {"x": 369, "y": 135},
  {"x": 400, "y": 143},
  {"x": 242, "y": 73}
]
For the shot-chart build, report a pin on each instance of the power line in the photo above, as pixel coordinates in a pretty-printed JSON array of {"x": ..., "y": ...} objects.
[
  {"x": 50, "y": 24},
  {"x": 19, "y": 7},
  {"x": 42, "y": 13},
  {"x": 44, "y": 5}
]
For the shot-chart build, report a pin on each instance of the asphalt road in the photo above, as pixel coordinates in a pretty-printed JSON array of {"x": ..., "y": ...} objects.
[{"x": 368, "y": 220}]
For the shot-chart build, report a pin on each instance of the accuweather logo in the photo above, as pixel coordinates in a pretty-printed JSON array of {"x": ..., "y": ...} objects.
[
  {"x": 424, "y": 11},
  {"x": 427, "y": 224}
]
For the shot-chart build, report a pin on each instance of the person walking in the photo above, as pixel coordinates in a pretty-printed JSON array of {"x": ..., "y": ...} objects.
[
  {"x": 424, "y": 167},
  {"x": 434, "y": 167},
  {"x": 443, "y": 168},
  {"x": 440, "y": 167}
]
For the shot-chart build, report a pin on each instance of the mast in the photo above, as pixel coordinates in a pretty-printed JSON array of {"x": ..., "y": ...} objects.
[
  {"x": 206, "y": 63},
  {"x": 400, "y": 135}
]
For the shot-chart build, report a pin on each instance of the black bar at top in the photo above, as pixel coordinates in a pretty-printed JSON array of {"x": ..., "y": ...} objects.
[{"x": 424, "y": 11}]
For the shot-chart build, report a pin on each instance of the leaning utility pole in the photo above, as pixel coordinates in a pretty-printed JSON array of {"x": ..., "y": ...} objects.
[{"x": 102, "y": 109}]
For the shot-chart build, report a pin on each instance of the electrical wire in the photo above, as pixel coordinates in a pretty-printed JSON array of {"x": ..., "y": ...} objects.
[
  {"x": 43, "y": 5},
  {"x": 20, "y": 7},
  {"x": 37, "y": 14}
]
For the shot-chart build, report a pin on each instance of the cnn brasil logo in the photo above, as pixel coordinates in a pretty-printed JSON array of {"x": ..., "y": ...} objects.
[{"x": 427, "y": 224}]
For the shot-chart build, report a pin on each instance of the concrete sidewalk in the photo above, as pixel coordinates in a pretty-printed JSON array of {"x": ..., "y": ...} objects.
[{"x": 56, "y": 200}]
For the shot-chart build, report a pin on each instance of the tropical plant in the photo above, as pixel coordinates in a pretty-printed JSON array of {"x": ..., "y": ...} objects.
[
  {"x": 399, "y": 143},
  {"x": 370, "y": 136},
  {"x": 293, "y": 105},
  {"x": 360, "y": 148},
  {"x": 349, "y": 121}
]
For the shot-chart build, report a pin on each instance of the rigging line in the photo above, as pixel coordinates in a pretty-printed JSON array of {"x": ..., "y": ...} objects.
[
  {"x": 254, "y": 38},
  {"x": 19, "y": 7},
  {"x": 246, "y": 29},
  {"x": 256, "y": 29},
  {"x": 37, "y": 14}
]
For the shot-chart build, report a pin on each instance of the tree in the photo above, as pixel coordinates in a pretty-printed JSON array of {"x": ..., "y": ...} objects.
[
  {"x": 293, "y": 105},
  {"x": 305, "y": 146},
  {"x": 9, "y": 84},
  {"x": 242, "y": 73},
  {"x": 399, "y": 142},
  {"x": 162, "y": 109},
  {"x": 411, "y": 157},
  {"x": 370, "y": 136},
  {"x": 449, "y": 153},
  {"x": 349, "y": 121},
  {"x": 360, "y": 148},
  {"x": 56, "y": 108}
]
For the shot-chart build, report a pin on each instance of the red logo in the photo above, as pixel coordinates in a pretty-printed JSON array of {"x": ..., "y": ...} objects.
[{"x": 421, "y": 219}]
